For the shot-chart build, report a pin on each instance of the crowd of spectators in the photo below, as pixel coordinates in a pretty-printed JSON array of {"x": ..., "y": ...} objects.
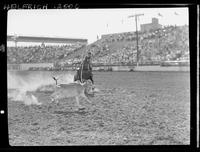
[
  {"x": 125, "y": 36},
  {"x": 169, "y": 43},
  {"x": 40, "y": 53}
]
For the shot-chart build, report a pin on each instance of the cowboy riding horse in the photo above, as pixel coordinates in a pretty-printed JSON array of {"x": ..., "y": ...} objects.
[{"x": 84, "y": 73}]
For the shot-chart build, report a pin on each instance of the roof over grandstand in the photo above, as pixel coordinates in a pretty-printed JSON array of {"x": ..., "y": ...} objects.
[{"x": 44, "y": 39}]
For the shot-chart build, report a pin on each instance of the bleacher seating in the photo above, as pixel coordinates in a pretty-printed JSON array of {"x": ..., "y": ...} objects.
[{"x": 166, "y": 44}]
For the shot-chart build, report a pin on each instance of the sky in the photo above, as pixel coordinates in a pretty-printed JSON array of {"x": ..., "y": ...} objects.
[{"x": 88, "y": 23}]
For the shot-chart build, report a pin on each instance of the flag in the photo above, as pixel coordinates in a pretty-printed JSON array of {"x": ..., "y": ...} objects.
[
  {"x": 176, "y": 13},
  {"x": 160, "y": 15}
]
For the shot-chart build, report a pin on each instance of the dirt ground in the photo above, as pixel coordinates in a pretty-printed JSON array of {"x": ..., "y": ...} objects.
[{"x": 132, "y": 108}]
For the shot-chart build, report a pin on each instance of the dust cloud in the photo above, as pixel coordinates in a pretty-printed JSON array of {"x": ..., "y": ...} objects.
[{"x": 21, "y": 86}]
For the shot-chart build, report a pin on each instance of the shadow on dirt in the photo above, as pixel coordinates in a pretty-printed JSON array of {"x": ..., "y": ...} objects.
[{"x": 81, "y": 112}]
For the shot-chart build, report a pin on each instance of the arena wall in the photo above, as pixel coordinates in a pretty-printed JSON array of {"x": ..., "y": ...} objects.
[
  {"x": 142, "y": 68},
  {"x": 103, "y": 67}
]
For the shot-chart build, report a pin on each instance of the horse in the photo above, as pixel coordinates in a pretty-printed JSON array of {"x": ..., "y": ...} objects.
[{"x": 83, "y": 75}]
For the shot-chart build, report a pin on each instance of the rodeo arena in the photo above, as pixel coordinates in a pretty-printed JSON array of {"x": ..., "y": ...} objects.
[{"x": 129, "y": 88}]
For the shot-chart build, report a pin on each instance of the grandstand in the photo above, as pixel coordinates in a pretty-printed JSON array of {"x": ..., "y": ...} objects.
[
  {"x": 44, "y": 54},
  {"x": 170, "y": 43}
]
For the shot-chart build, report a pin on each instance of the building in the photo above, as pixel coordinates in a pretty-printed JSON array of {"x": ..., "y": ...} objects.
[{"x": 150, "y": 26}]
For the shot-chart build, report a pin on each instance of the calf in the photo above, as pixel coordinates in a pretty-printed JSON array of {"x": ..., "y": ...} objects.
[{"x": 75, "y": 90}]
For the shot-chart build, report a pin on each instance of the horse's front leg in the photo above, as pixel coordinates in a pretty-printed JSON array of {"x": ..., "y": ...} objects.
[{"x": 78, "y": 104}]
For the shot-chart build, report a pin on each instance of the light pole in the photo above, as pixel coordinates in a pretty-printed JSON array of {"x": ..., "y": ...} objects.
[{"x": 136, "y": 16}]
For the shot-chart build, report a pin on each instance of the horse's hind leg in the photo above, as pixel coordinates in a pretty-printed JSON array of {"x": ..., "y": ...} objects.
[{"x": 91, "y": 79}]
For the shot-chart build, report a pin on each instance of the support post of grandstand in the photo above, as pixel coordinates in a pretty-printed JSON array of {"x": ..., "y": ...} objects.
[{"x": 137, "y": 15}]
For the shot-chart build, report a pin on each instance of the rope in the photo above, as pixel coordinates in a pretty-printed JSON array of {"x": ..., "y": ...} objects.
[{"x": 81, "y": 72}]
